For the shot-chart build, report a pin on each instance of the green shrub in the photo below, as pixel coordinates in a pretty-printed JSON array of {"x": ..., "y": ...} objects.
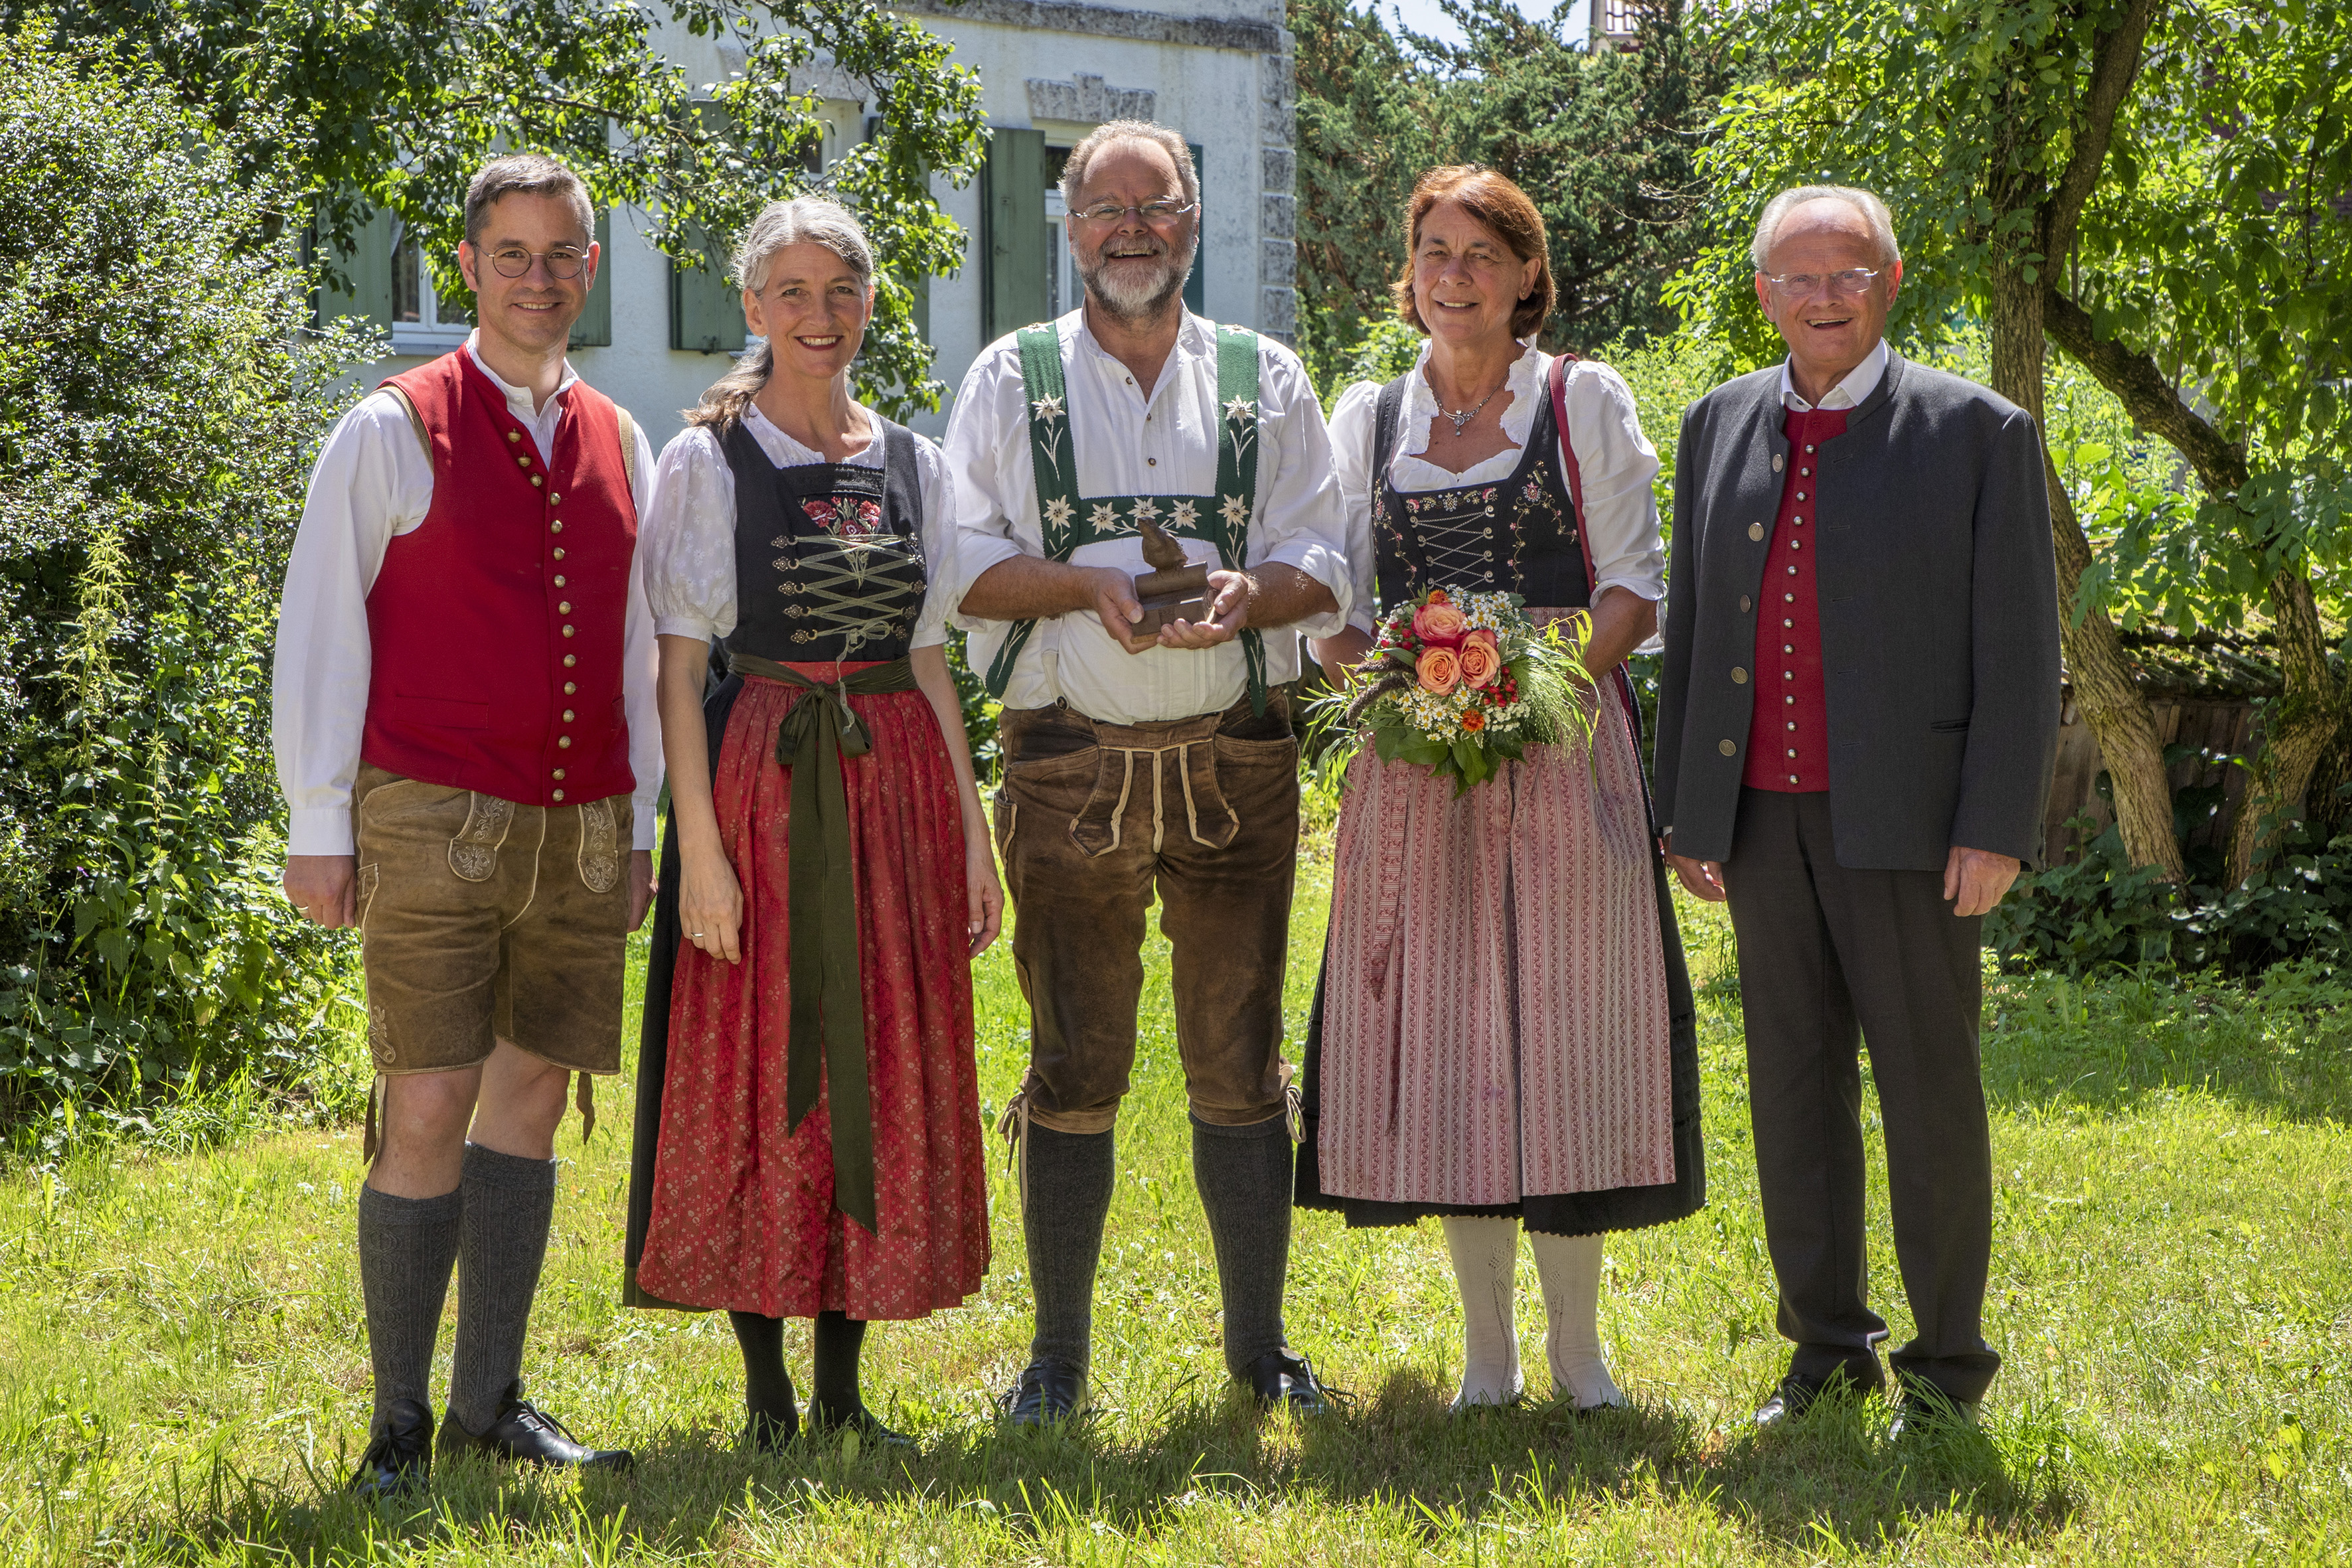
[
  {"x": 2099, "y": 912},
  {"x": 159, "y": 403}
]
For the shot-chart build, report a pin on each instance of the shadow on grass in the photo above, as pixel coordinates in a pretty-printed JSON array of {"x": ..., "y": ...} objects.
[{"x": 1828, "y": 1478}]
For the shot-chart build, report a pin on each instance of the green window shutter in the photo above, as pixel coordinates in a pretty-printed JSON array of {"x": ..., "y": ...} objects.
[
  {"x": 706, "y": 311},
  {"x": 370, "y": 270},
  {"x": 1196, "y": 287},
  {"x": 593, "y": 330},
  {"x": 1012, "y": 241}
]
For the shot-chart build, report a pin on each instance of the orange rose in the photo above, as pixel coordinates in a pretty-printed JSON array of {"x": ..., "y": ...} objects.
[
  {"x": 1440, "y": 669},
  {"x": 1438, "y": 621},
  {"x": 1482, "y": 661}
]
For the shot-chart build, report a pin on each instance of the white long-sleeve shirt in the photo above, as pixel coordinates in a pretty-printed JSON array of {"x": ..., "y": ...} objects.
[
  {"x": 1130, "y": 441},
  {"x": 1615, "y": 464},
  {"x": 687, "y": 537},
  {"x": 373, "y": 482}
]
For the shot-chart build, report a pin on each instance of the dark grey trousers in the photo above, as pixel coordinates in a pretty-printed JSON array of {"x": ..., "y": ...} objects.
[{"x": 1830, "y": 958}]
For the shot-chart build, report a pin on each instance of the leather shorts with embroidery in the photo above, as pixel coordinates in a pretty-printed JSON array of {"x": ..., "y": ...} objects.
[{"x": 481, "y": 920}]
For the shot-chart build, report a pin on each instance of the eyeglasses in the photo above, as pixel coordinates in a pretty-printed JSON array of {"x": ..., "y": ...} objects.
[
  {"x": 1798, "y": 285},
  {"x": 1156, "y": 213},
  {"x": 562, "y": 263}
]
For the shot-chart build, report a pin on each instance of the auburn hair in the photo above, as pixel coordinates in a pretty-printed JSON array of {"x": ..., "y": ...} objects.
[{"x": 1503, "y": 210}]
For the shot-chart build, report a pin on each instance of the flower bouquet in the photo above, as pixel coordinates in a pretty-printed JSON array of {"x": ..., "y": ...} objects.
[{"x": 1459, "y": 682}]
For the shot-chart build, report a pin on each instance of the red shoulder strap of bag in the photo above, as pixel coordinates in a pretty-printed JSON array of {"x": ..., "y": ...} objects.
[{"x": 1557, "y": 377}]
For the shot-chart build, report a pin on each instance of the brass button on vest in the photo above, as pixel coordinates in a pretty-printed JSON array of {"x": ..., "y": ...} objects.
[
  {"x": 1739, "y": 676},
  {"x": 1726, "y": 747}
]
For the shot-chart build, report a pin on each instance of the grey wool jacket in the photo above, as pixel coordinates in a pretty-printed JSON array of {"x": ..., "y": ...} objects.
[{"x": 1939, "y": 604}]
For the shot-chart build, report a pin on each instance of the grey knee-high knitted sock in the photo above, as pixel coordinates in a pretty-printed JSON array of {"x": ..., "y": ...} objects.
[
  {"x": 1070, "y": 1176},
  {"x": 1244, "y": 1174},
  {"x": 406, "y": 1248},
  {"x": 510, "y": 1202}
]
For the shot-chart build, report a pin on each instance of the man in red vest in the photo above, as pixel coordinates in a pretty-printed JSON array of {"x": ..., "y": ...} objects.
[
  {"x": 1857, "y": 717},
  {"x": 467, "y": 740}
]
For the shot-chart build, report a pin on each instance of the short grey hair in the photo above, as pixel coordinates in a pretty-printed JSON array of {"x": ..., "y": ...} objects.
[
  {"x": 803, "y": 220},
  {"x": 1873, "y": 210},
  {"x": 1074, "y": 173},
  {"x": 526, "y": 175}
]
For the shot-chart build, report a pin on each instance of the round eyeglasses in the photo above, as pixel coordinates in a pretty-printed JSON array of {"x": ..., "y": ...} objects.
[{"x": 563, "y": 263}]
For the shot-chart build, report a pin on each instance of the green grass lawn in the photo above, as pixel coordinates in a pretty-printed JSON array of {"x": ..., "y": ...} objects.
[{"x": 184, "y": 1374}]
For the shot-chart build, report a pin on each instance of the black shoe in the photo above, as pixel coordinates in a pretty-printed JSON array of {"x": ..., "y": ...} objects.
[
  {"x": 1278, "y": 1377},
  {"x": 766, "y": 1433},
  {"x": 860, "y": 1420},
  {"x": 1048, "y": 1392},
  {"x": 529, "y": 1435},
  {"x": 399, "y": 1457},
  {"x": 1922, "y": 1410},
  {"x": 1796, "y": 1394}
]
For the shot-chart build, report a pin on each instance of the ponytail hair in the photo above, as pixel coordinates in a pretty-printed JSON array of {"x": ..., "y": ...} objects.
[{"x": 803, "y": 220}]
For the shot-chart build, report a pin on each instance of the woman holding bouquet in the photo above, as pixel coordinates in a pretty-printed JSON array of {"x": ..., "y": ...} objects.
[{"x": 1504, "y": 1031}]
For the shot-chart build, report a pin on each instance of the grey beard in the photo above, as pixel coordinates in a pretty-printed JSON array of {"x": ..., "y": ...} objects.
[{"x": 1133, "y": 302}]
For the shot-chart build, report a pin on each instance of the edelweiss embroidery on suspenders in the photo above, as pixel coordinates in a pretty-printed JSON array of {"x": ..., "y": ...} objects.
[{"x": 1070, "y": 519}]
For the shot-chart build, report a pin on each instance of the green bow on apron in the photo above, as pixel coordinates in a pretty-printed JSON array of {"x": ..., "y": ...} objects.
[
  {"x": 828, "y": 1042},
  {"x": 1069, "y": 521}
]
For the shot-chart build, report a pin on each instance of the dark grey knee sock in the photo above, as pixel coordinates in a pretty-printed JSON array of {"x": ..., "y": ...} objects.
[
  {"x": 836, "y": 1340},
  {"x": 508, "y": 1204},
  {"x": 1070, "y": 1176},
  {"x": 1244, "y": 1174},
  {"x": 406, "y": 1248},
  {"x": 767, "y": 1387}
]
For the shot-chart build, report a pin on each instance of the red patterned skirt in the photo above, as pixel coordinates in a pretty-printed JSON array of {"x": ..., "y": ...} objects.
[{"x": 742, "y": 1214}]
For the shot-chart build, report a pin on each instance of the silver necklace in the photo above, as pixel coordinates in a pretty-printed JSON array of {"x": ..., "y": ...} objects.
[{"x": 1467, "y": 415}]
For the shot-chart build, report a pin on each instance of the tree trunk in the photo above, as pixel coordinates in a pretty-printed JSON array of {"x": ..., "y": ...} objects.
[
  {"x": 2299, "y": 728},
  {"x": 2105, "y": 692}
]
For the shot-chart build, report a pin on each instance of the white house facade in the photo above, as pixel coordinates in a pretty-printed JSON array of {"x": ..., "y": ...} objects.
[{"x": 1219, "y": 71}]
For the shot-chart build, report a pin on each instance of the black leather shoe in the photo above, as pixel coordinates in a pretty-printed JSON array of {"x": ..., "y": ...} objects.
[
  {"x": 1796, "y": 1394},
  {"x": 1048, "y": 1392},
  {"x": 1923, "y": 1410},
  {"x": 529, "y": 1435},
  {"x": 399, "y": 1457},
  {"x": 766, "y": 1433},
  {"x": 1278, "y": 1377},
  {"x": 870, "y": 1431}
]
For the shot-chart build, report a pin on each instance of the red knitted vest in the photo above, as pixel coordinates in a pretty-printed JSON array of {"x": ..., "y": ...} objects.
[
  {"x": 497, "y": 623},
  {"x": 1788, "y": 740}
]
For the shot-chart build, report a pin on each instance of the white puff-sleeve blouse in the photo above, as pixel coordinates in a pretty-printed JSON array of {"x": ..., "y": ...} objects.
[
  {"x": 687, "y": 537},
  {"x": 1615, "y": 464}
]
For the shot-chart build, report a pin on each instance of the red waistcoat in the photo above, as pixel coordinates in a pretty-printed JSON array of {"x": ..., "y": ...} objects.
[
  {"x": 497, "y": 623},
  {"x": 1788, "y": 738}
]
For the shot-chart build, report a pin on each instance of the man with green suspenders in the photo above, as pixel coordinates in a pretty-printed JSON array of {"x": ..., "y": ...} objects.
[{"x": 1143, "y": 764}]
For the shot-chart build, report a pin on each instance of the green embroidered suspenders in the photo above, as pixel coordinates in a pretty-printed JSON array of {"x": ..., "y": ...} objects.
[{"x": 1070, "y": 521}]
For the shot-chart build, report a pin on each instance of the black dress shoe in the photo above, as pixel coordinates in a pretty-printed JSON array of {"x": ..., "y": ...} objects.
[
  {"x": 1048, "y": 1391},
  {"x": 860, "y": 1420},
  {"x": 766, "y": 1433},
  {"x": 1923, "y": 1410},
  {"x": 1278, "y": 1377},
  {"x": 399, "y": 1457},
  {"x": 1795, "y": 1394},
  {"x": 529, "y": 1435}
]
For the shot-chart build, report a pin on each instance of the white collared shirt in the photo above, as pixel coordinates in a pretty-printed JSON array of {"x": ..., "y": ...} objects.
[
  {"x": 1858, "y": 383},
  {"x": 689, "y": 535},
  {"x": 373, "y": 482},
  {"x": 1131, "y": 442},
  {"x": 1615, "y": 466}
]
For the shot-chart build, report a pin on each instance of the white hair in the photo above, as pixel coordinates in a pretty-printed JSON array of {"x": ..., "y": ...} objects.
[
  {"x": 803, "y": 220},
  {"x": 1873, "y": 210},
  {"x": 1073, "y": 171}
]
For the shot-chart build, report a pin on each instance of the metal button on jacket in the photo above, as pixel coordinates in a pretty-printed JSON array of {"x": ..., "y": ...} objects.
[
  {"x": 1739, "y": 676},
  {"x": 1755, "y": 531},
  {"x": 1726, "y": 747}
]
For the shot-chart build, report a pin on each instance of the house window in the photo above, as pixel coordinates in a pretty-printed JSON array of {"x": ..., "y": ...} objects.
[{"x": 422, "y": 320}]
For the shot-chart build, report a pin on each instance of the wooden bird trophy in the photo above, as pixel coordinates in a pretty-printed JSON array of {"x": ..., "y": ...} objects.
[{"x": 1171, "y": 591}]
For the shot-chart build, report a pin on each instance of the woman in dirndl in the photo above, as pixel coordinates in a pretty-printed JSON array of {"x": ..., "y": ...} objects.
[
  {"x": 808, "y": 1108},
  {"x": 1503, "y": 1035}
]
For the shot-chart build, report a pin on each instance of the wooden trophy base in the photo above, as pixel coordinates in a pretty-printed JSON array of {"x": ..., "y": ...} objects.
[{"x": 1177, "y": 594}]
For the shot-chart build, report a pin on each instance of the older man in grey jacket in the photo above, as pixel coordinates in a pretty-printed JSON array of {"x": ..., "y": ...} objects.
[{"x": 1855, "y": 734}]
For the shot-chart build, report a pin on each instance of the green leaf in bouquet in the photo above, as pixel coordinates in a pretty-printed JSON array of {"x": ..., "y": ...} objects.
[{"x": 1422, "y": 750}]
